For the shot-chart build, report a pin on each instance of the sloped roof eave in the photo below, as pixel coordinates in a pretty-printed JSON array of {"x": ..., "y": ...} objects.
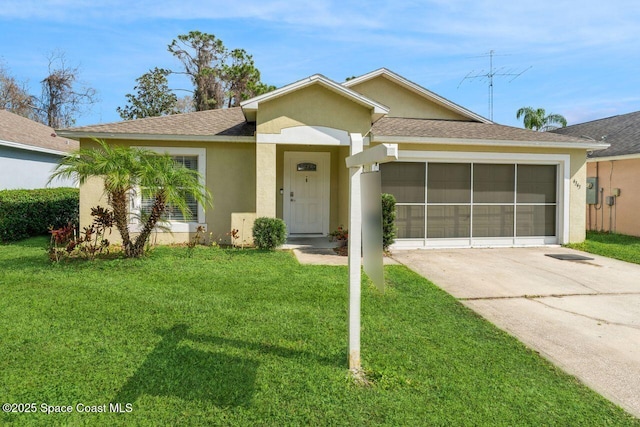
[
  {"x": 619, "y": 157},
  {"x": 35, "y": 148},
  {"x": 156, "y": 137},
  {"x": 22, "y": 130}
]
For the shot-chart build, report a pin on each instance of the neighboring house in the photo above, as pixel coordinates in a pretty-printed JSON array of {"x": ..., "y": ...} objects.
[
  {"x": 460, "y": 180},
  {"x": 29, "y": 151},
  {"x": 613, "y": 201}
]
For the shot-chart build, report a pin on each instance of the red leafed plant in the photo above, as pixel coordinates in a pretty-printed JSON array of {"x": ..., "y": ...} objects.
[
  {"x": 340, "y": 234},
  {"x": 66, "y": 243}
]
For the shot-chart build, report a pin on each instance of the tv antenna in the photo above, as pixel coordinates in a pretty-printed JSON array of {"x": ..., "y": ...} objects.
[{"x": 500, "y": 72}]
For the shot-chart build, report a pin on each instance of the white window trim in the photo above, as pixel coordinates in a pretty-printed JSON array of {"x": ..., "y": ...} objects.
[
  {"x": 562, "y": 161},
  {"x": 175, "y": 226}
]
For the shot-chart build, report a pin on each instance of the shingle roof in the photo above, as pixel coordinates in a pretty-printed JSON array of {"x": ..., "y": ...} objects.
[
  {"x": 429, "y": 128},
  {"x": 622, "y": 132},
  {"x": 18, "y": 129},
  {"x": 222, "y": 122}
]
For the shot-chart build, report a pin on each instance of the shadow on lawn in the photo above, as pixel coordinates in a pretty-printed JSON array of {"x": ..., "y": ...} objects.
[{"x": 175, "y": 369}]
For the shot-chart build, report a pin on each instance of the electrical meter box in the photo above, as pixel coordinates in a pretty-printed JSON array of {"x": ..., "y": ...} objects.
[{"x": 592, "y": 190}]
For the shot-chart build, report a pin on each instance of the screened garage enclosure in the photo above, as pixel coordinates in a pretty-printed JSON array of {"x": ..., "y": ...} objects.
[{"x": 474, "y": 204}]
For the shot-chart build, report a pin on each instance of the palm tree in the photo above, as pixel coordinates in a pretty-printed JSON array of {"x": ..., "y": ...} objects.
[
  {"x": 128, "y": 169},
  {"x": 539, "y": 121}
]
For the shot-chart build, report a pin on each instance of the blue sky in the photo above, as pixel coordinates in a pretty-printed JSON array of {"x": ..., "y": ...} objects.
[{"x": 584, "y": 55}]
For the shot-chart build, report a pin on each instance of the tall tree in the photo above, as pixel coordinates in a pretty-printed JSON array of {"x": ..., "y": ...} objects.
[
  {"x": 202, "y": 56},
  {"x": 14, "y": 95},
  {"x": 242, "y": 78},
  {"x": 538, "y": 120},
  {"x": 221, "y": 78},
  {"x": 127, "y": 169},
  {"x": 153, "y": 97},
  {"x": 63, "y": 96}
]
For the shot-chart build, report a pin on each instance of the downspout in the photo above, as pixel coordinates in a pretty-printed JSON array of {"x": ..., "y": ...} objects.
[{"x": 611, "y": 206}]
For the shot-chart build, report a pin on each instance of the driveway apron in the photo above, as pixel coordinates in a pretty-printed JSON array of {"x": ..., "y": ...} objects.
[{"x": 583, "y": 316}]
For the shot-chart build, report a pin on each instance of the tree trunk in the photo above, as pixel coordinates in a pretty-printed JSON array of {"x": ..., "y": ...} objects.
[
  {"x": 159, "y": 206},
  {"x": 119, "y": 202}
]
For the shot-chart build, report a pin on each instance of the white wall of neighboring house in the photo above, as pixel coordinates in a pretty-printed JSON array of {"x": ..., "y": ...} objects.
[{"x": 29, "y": 168}]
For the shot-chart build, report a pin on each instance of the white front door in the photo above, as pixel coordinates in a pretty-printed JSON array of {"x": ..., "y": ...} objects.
[{"x": 306, "y": 192}]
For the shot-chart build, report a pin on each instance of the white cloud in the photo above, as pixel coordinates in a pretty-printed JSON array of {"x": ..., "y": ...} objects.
[{"x": 545, "y": 23}]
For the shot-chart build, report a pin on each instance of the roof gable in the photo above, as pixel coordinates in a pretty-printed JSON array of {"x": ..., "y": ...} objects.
[
  {"x": 427, "y": 104},
  {"x": 250, "y": 107}
]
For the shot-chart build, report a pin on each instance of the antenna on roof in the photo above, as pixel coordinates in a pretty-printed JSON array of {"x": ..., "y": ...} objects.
[{"x": 490, "y": 75}]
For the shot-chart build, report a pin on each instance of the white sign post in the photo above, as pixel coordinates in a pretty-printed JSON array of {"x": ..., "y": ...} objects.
[{"x": 355, "y": 162}]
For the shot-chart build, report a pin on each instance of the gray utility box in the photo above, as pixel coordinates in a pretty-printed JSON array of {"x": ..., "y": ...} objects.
[{"x": 592, "y": 190}]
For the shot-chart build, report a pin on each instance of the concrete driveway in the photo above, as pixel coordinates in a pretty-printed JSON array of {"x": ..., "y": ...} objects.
[{"x": 584, "y": 316}]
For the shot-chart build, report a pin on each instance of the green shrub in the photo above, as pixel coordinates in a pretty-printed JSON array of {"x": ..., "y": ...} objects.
[
  {"x": 269, "y": 233},
  {"x": 388, "y": 220},
  {"x": 25, "y": 213}
]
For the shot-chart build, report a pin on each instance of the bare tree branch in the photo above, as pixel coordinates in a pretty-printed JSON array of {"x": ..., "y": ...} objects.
[{"x": 63, "y": 97}]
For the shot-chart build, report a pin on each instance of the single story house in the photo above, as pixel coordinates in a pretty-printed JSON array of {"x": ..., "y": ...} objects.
[
  {"x": 613, "y": 202},
  {"x": 460, "y": 180},
  {"x": 29, "y": 151}
]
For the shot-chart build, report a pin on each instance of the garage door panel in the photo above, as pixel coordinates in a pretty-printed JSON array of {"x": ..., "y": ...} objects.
[
  {"x": 410, "y": 222},
  {"x": 537, "y": 184},
  {"x": 493, "y": 183},
  {"x": 493, "y": 221},
  {"x": 446, "y": 222},
  {"x": 536, "y": 220},
  {"x": 449, "y": 183}
]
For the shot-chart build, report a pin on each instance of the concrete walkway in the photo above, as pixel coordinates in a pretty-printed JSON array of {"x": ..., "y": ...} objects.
[
  {"x": 319, "y": 251},
  {"x": 583, "y": 316}
]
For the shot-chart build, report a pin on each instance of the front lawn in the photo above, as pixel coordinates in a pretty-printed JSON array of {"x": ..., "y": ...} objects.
[
  {"x": 618, "y": 246},
  {"x": 232, "y": 337}
]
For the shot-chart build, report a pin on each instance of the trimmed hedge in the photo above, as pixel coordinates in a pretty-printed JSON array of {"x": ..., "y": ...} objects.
[
  {"x": 388, "y": 220},
  {"x": 25, "y": 213},
  {"x": 269, "y": 233}
]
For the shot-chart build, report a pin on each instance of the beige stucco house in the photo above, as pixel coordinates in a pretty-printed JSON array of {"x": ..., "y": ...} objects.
[
  {"x": 460, "y": 179},
  {"x": 613, "y": 201}
]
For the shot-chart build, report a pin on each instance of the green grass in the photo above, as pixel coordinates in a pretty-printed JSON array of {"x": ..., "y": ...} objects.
[
  {"x": 230, "y": 337},
  {"x": 618, "y": 246}
]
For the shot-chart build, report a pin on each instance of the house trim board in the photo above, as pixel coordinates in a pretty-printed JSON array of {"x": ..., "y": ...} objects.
[
  {"x": 307, "y": 135},
  {"x": 158, "y": 137},
  {"x": 488, "y": 142},
  {"x": 27, "y": 147}
]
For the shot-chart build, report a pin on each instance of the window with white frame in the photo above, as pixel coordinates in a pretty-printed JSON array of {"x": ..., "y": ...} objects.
[{"x": 191, "y": 158}]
